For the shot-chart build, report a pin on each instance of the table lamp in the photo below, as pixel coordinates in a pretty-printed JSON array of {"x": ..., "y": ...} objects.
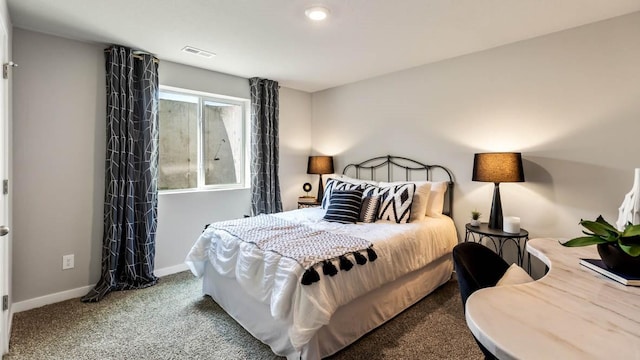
[
  {"x": 320, "y": 165},
  {"x": 497, "y": 168}
]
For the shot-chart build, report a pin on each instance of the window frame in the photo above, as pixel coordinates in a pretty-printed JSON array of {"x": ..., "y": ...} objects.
[{"x": 203, "y": 97}]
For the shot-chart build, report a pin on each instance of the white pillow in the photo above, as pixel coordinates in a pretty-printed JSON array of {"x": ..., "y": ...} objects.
[
  {"x": 436, "y": 198},
  {"x": 420, "y": 197},
  {"x": 345, "y": 178},
  {"x": 514, "y": 275}
]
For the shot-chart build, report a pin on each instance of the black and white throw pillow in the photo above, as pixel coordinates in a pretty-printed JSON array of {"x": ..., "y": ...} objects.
[
  {"x": 335, "y": 184},
  {"x": 369, "y": 209},
  {"x": 395, "y": 203},
  {"x": 370, "y": 190},
  {"x": 344, "y": 206},
  {"x": 328, "y": 189}
]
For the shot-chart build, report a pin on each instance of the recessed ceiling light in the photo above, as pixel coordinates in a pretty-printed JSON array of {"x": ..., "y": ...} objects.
[
  {"x": 317, "y": 13},
  {"x": 199, "y": 52}
]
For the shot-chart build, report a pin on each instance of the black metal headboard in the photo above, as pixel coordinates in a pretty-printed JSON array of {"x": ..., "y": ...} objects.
[{"x": 374, "y": 166}]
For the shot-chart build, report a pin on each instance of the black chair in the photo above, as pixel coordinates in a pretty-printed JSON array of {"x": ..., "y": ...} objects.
[{"x": 477, "y": 267}]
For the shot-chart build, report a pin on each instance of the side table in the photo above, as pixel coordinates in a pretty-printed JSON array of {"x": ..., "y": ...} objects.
[
  {"x": 499, "y": 238},
  {"x": 303, "y": 204}
]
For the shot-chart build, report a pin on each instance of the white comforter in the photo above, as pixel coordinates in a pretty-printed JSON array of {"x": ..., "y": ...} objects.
[{"x": 275, "y": 280}]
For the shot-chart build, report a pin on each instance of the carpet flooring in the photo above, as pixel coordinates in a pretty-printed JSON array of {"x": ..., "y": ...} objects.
[{"x": 172, "y": 320}]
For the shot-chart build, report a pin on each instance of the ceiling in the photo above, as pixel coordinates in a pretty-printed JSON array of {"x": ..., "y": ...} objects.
[{"x": 273, "y": 39}]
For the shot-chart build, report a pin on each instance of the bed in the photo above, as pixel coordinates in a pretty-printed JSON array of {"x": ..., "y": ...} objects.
[{"x": 311, "y": 305}]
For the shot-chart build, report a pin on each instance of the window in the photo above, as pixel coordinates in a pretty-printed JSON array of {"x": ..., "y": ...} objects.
[{"x": 202, "y": 141}]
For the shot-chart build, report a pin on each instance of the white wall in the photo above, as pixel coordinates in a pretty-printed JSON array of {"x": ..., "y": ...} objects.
[
  {"x": 59, "y": 147},
  {"x": 570, "y": 102}
]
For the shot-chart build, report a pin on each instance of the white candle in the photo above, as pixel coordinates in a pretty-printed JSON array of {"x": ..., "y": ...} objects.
[{"x": 511, "y": 224}]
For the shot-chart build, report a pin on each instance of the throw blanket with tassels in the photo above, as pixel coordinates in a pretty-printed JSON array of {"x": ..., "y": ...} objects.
[{"x": 310, "y": 248}]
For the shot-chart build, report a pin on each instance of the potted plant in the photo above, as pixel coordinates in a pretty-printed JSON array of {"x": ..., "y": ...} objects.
[
  {"x": 619, "y": 250},
  {"x": 475, "y": 218}
]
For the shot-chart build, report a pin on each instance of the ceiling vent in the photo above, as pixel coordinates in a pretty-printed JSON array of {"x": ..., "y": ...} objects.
[{"x": 195, "y": 51}]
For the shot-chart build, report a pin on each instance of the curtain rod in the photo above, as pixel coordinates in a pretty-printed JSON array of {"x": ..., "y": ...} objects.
[
  {"x": 136, "y": 55},
  {"x": 139, "y": 57}
]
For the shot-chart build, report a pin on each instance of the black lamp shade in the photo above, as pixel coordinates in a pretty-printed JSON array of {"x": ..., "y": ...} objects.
[
  {"x": 320, "y": 165},
  {"x": 497, "y": 168}
]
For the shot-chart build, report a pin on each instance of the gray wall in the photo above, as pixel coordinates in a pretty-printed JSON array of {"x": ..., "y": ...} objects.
[
  {"x": 181, "y": 216},
  {"x": 59, "y": 142},
  {"x": 8, "y": 239},
  {"x": 570, "y": 102},
  {"x": 295, "y": 144}
]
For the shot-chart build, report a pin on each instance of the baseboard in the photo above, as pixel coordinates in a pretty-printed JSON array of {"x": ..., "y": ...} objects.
[
  {"x": 171, "y": 270},
  {"x": 78, "y": 292},
  {"x": 50, "y": 299}
]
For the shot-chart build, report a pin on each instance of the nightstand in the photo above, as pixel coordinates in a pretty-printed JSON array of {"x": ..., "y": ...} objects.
[
  {"x": 305, "y": 204},
  {"x": 499, "y": 238}
]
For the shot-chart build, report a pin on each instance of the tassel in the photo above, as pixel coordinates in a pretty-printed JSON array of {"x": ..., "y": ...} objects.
[
  {"x": 372, "y": 254},
  {"x": 310, "y": 276},
  {"x": 329, "y": 269},
  {"x": 360, "y": 259},
  {"x": 345, "y": 264}
]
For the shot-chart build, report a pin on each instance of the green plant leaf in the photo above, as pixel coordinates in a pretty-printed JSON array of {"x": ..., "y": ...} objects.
[
  {"x": 599, "y": 228},
  {"x": 610, "y": 237},
  {"x": 600, "y": 220},
  {"x": 631, "y": 240},
  {"x": 584, "y": 241},
  {"x": 631, "y": 230},
  {"x": 633, "y": 250}
]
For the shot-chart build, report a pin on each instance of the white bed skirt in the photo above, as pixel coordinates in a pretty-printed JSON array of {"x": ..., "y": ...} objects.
[{"x": 372, "y": 310}]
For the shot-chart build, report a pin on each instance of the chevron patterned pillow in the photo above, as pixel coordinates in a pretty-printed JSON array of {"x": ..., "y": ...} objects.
[
  {"x": 369, "y": 209},
  {"x": 396, "y": 202},
  {"x": 336, "y": 184}
]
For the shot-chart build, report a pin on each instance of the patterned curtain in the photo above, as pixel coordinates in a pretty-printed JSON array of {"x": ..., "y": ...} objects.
[
  {"x": 131, "y": 170},
  {"x": 265, "y": 186}
]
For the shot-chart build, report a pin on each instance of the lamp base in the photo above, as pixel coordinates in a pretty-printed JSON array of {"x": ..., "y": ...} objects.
[
  {"x": 320, "y": 190},
  {"x": 495, "y": 219}
]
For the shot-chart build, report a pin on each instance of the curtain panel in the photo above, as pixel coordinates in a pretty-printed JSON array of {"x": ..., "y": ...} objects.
[
  {"x": 131, "y": 169},
  {"x": 265, "y": 185}
]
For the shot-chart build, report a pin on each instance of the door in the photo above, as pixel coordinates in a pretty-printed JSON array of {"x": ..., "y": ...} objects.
[{"x": 5, "y": 236}]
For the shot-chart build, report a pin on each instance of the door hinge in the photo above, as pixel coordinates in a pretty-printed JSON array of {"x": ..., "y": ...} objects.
[
  {"x": 5, "y": 186},
  {"x": 5, "y": 303},
  {"x": 5, "y": 69}
]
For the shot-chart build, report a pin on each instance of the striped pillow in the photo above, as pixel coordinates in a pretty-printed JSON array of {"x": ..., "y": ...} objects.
[
  {"x": 369, "y": 209},
  {"x": 344, "y": 206}
]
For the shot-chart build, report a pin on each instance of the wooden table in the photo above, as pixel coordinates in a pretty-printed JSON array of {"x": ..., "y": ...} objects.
[{"x": 570, "y": 313}]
